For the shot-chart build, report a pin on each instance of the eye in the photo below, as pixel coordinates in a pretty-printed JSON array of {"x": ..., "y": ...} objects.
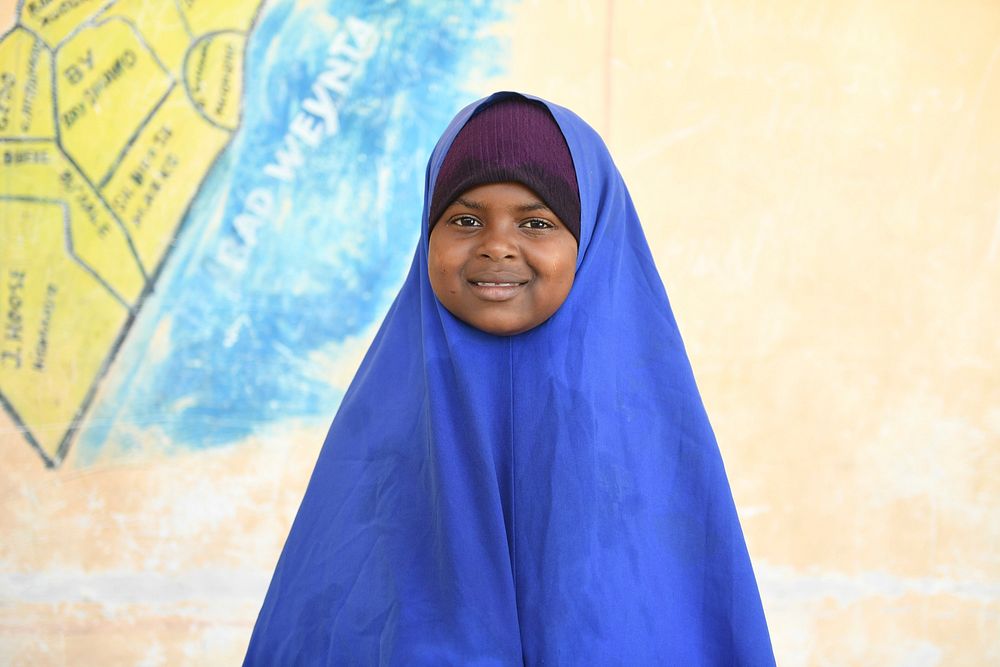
[
  {"x": 465, "y": 221},
  {"x": 536, "y": 223}
]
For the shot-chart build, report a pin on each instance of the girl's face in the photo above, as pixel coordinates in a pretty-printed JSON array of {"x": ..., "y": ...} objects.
[{"x": 500, "y": 259}]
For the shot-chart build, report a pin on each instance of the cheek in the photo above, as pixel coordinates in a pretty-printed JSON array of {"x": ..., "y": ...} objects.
[
  {"x": 560, "y": 271},
  {"x": 564, "y": 269},
  {"x": 436, "y": 264},
  {"x": 442, "y": 273},
  {"x": 566, "y": 284}
]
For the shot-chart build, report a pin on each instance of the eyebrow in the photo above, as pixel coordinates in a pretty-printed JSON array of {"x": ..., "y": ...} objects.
[{"x": 480, "y": 206}]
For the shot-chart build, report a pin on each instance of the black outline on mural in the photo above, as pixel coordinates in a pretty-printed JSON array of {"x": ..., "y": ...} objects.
[
  {"x": 77, "y": 417},
  {"x": 152, "y": 278},
  {"x": 187, "y": 88},
  {"x": 117, "y": 162},
  {"x": 113, "y": 167},
  {"x": 187, "y": 24},
  {"x": 80, "y": 26},
  {"x": 85, "y": 176}
]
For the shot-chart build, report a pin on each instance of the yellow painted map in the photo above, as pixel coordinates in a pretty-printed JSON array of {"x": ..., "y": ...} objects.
[{"x": 111, "y": 114}]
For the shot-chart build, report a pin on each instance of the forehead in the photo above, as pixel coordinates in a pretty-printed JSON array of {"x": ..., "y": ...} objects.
[{"x": 505, "y": 195}]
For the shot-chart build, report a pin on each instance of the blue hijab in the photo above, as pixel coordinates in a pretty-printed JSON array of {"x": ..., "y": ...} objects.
[{"x": 551, "y": 498}]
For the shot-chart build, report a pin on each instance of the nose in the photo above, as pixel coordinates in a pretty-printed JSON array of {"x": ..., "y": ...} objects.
[{"x": 498, "y": 242}]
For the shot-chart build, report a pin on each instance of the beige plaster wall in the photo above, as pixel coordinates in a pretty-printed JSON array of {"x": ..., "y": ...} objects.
[{"x": 820, "y": 182}]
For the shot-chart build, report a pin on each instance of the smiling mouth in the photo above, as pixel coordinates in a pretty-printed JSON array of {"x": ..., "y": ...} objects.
[{"x": 489, "y": 290}]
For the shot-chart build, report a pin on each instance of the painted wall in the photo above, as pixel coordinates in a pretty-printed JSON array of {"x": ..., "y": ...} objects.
[{"x": 205, "y": 210}]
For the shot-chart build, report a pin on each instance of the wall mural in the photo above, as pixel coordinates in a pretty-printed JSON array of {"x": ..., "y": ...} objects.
[
  {"x": 201, "y": 202},
  {"x": 206, "y": 206}
]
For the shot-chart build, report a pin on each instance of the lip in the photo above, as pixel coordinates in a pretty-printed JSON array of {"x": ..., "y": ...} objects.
[
  {"x": 496, "y": 286},
  {"x": 488, "y": 276}
]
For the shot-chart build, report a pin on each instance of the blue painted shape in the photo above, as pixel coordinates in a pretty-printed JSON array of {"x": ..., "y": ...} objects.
[{"x": 245, "y": 334}]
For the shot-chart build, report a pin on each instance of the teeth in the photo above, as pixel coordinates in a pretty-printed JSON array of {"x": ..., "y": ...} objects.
[{"x": 481, "y": 284}]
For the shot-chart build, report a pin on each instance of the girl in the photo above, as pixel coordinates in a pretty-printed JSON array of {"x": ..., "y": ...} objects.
[{"x": 522, "y": 471}]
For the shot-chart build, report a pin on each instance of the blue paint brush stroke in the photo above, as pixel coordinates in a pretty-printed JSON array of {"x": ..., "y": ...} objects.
[{"x": 323, "y": 270}]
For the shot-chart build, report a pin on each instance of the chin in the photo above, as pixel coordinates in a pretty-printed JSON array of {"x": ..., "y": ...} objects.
[
  {"x": 503, "y": 331},
  {"x": 503, "y": 328}
]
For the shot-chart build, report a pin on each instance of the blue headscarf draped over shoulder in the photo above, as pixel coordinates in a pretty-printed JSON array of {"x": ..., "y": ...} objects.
[{"x": 551, "y": 498}]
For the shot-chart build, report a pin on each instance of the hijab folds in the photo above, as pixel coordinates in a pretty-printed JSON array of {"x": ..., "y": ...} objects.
[{"x": 556, "y": 497}]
